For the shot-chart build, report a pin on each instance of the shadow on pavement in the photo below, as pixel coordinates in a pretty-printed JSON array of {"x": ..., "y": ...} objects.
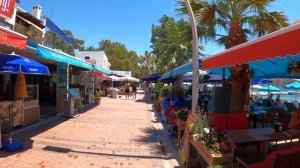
[
  {"x": 68, "y": 150},
  {"x": 25, "y": 134},
  {"x": 144, "y": 101}
]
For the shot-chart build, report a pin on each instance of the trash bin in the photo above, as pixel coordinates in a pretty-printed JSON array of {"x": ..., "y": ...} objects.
[{"x": 115, "y": 93}]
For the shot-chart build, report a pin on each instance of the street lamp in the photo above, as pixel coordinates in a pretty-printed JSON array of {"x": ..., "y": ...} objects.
[{"x": 195, "y": 82}]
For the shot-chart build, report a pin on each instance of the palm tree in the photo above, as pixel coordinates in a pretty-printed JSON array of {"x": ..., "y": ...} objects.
[{"x": 240, "y": 20}]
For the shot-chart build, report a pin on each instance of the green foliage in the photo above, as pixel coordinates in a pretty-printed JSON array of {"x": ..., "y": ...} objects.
[
  {"x": 177, "y": 91},
  {"x": 217, "y": 141},
  {"x": 157, "y": 90},
  {"x": 58, "y": 44},
  {"x": 119, "y": 57},
  {"x": 77, "y": 103},
  {"x": 98, "y": 94},
  {"x": 166, "y": 90},
  {"x": 169, "y": 43},
  {"x": 238, "y": 19}
]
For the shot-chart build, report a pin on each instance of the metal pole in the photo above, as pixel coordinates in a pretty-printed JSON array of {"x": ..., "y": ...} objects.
[{"x": 195, "y": 82}]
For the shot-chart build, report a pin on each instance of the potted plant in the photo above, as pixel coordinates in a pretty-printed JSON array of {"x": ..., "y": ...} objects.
[
  {"x": 182, "y": 114},
  {"x": 77, "y": 104},
  {"x": 97, "y": 97},
  {"x": 165, "y": 91},
  {"x": 215, "y": 146}
]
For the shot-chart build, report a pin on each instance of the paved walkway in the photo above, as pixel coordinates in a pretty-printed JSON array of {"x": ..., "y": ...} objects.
[{"x": 117, "y": 133}]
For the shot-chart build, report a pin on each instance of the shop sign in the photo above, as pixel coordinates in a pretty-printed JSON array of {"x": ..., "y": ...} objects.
[{"x": 7, "y": 8}]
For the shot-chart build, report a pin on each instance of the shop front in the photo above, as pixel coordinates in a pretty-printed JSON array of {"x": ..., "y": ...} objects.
[{"x": 67, "y": 72}]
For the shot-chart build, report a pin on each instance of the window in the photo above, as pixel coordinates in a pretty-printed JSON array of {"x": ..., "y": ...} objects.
[{"x": 87, "y": 57}]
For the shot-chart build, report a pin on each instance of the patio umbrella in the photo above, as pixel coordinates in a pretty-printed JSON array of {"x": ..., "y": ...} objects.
[
  {"x": 114, "y": 78},
  {"x": 129, "y": 78},
  {"x": 294, "y": 85},
  {"x": 269, "y": 88},
  {"x": 16, "y": 64}
]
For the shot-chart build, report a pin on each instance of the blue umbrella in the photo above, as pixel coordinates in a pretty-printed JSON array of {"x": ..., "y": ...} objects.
[
  {"x": 261, "y": 81},
  {"x": 294, "y": 85},
  {"x": 270, "y": 88},
  {"x": 16, "y": 64},
  {"x": 152, "y": 78}
]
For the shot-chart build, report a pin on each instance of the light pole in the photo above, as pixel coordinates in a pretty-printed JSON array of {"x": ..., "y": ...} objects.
[{"x": 195, "y": 82}]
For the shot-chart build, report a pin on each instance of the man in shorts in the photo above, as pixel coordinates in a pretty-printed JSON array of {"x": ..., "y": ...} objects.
[{"x": 127, "y": 89}]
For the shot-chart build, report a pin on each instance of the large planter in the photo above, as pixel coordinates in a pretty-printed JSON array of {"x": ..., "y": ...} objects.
[
  {"x": 210, "y": 157},
  {"x": 177, "y": 101},
  {"x": 98, "y": 100}
]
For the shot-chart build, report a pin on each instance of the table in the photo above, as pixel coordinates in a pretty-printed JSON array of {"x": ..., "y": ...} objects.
[
  {"x": 258, "y": 136},
  {"x": 255, "y": 114}
]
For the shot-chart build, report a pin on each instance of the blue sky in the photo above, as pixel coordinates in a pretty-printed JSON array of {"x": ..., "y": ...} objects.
[{"x": 125, "y": 21}]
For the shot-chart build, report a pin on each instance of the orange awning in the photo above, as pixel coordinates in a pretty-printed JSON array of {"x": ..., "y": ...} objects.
[
  {"x": 277, "y": 44},
  {"x": 12, "y": 38}
]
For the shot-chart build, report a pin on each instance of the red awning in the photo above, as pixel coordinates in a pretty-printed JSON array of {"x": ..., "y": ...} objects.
[
  {"x": 277, "y": 44},
  {"x": 102, "y": 75},
  {"x": 12, "y": 38}
]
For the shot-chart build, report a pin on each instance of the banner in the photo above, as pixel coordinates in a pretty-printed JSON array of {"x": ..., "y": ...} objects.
[
  {"x": 57, "y": 31},
  {"x": 7, "y": 8}
]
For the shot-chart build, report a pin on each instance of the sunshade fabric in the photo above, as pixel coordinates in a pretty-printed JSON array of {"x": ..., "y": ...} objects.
[
  {"x": 105, "y": 71},
  {"x": 102, "y": 75},
  {"x": 129, "y": 78},
  {"x": 270, "y": 88},
  {"x": 269, "y": 68},
  {"x": 12, "y": 38},
  {"x": 16, "y": 64},
  {"x": 180, "y": 70},
  {"x": 277, "y": 44},
  {"x": 152, "y": 77},
  {"x": 48, "y": 53},
  {"x": 294, "y": 85},
  {"x": 261, "y": 81}
]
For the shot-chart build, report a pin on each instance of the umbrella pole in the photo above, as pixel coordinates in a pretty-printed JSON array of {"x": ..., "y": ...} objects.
[{"x": 10, "y": 109}]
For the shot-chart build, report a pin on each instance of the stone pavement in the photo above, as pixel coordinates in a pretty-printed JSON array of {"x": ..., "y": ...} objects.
[{"x": 117, "y": 133}]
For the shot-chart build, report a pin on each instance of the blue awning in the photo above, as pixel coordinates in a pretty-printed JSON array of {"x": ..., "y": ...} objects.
[
  {"x": 102, "y": 70},
  {"x": 269, "y": 68},
  {"x": 48, "y": 53},
  {"x": 180, "y": 70},
  {"x": 152, "y": 77}
]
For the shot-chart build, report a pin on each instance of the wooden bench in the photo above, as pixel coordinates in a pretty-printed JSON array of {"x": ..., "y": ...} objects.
[{"x": 287, "y": 158}]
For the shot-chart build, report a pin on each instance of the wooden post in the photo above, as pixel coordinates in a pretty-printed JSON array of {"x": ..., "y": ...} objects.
[{"x": 195, "y": 82}]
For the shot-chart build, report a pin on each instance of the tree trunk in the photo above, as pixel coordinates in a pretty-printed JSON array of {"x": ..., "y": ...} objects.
[
  {"x": 240, "y": 88},
  {"x": 239, "y": 73}
]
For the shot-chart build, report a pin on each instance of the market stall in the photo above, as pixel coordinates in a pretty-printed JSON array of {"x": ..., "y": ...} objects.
[{"x": 15, "y": 110}]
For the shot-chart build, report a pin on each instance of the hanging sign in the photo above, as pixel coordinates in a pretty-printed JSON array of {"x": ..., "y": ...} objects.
[{"x": 7, "y": 8}]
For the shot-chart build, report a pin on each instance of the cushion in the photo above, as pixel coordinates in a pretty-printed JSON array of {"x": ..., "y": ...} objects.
[
  {"x": 237, "y": 121},
  {"x": 269, "y": 159},
  {"x": 219, "y": 120}
]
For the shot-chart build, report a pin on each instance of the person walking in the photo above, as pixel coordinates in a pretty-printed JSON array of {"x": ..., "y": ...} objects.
[
  {"x": 134, "y": 91},
  {"x": 127, "y": 89}
]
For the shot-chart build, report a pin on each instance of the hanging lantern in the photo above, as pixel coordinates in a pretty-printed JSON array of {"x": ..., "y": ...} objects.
[{"x": 20, "y": 88}]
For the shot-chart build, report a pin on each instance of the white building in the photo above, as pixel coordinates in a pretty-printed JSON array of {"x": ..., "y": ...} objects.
[{"x": 96, "y": 57}]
